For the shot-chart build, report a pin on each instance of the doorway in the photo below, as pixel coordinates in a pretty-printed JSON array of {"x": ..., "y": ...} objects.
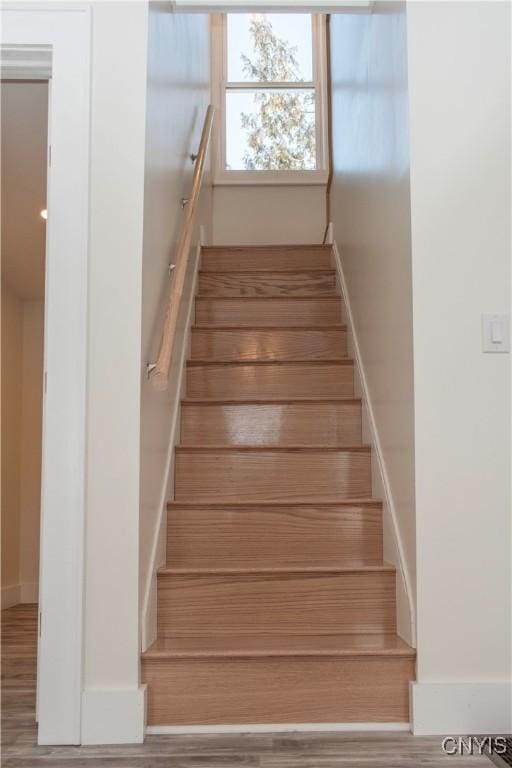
[
  {"x": 24, "y": 123},
  {"x": 56, "y": 43}
]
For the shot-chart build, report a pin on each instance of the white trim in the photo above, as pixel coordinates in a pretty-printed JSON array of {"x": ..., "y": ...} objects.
[
  {"x": 375, "y": 440},
  {"x": 173, "y": 730},
  {"x": 114, "y": 716},
  {"x": 30, "y": 62},
  {"x": 461, "y": 708},
  {"x": 272, "y": 6},
  {"x": 273, "y": 85},
  {"x": 149, "y": 604},
  {"x": 271, "y": 178},
  {"x": 223, "y": 177},
  {"x": 67, "y": 30}
]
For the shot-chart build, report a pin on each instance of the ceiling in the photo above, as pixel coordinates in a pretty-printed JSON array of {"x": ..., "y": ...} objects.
[{"x": 24, "y": 122}]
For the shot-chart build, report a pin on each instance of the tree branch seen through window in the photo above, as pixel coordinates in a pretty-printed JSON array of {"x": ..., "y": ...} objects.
[{"x": 281, "y": 132}]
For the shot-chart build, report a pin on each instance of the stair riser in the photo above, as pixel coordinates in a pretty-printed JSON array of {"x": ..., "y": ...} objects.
[
  {"x": 268, "y": 345},
  {"x": 296, "y": 603},
  {"x": 256, "y": 313},
  {"x": 239, "y": 259},
  {"x": 272, "y": 424},
  {"x": 274, "y": 690},
  {"x": 271, "y": 475},
  {"x": 264, "y": 382},
  {"x": 267, "y": 284},
  {"x": 263, "y": 537}
]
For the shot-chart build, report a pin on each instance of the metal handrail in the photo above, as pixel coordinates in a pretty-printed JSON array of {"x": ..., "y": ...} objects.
[{"x": 158, "y": 372}]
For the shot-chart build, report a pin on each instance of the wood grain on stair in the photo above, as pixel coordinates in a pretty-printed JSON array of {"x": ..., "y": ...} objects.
[
  {"x": 356, "y": 601},
  {"x": 275, "y": 604},
  {"x": 278, "y": 690},
  {"x": 268, "y": 311},
  {"x": 315, "y": 283},
  {"x": 270, "y": 473},
  {"x": 268, "y": 344},
  {"x": 247, "y": 645},
  {"x": 264, "y": 535},
  {"x": 219, "y": 259},
  {"x": 313, "y": 423},
  {"x": 271, "y": 380}
]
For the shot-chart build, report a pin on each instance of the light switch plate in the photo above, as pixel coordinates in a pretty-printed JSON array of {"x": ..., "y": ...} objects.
[{"x": 496, "y": 333}]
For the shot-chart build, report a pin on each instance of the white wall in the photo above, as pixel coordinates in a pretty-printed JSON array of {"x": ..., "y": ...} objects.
[
  {"x": 261, "y": 215},
  {"x": 12, "y": 350},
  {"x": 118, "y": 108},
  {"x": 459, "y": 85},
  {"x": 31, "y": 445},
  {"x": 177, "y": 98},
  {"x": 22, "y": 401},
  {"x": 371, "y": 214}
]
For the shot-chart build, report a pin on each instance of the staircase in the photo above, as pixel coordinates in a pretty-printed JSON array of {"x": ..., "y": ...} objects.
[{"x": 275, "y": 605}]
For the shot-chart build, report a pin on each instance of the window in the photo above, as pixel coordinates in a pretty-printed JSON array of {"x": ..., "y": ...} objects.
[{"x": 270, "y": 74}]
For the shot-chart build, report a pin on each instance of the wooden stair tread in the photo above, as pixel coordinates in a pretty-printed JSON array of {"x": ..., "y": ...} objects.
[
  {"x": 262, "y": 645},
  {"x": 239, "y": 567},
  {"x": 300, "y": 296},
  {"x": 273, "y": 448},
  {"x": 269, "y": 247},
  {"x": 317, "y": 297},
  {"x": 268, "y": 503},
  {"x": 324, "y": 361},
  {"x": 278, "y": 401},
  {"x": 247, "y": 272},
  {"x": 354, "y": 567},
  {"x": 259, "y": 361},
  {"x": 266, "y": 328},
  {"x": 311, "y": 501}
]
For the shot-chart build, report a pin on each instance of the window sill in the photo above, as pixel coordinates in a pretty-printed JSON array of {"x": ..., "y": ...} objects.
[{"x": 270, "y": 178}]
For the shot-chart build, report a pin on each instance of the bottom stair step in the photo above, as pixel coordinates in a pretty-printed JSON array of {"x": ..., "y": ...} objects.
[{"x": 278, "y": 679}]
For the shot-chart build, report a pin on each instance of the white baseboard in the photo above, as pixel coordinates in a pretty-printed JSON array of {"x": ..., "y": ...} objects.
[
  {"x": 461, "y": 709},
  {"x": 153, "y": 730},
  {"x": 113, "y": 716},
  {"x": 15, "y": 594}
]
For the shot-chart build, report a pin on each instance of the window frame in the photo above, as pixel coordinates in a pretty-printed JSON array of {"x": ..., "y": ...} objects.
[{"x": 220, "y": 86}]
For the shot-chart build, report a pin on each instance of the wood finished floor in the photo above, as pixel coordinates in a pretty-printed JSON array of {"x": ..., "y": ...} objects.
[{"x": 281, "y": 750}]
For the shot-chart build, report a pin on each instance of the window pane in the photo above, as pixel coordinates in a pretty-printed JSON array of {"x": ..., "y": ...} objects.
[
  {"x": 269, "y": 47},
  {"x": 270, "y": 130}
]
